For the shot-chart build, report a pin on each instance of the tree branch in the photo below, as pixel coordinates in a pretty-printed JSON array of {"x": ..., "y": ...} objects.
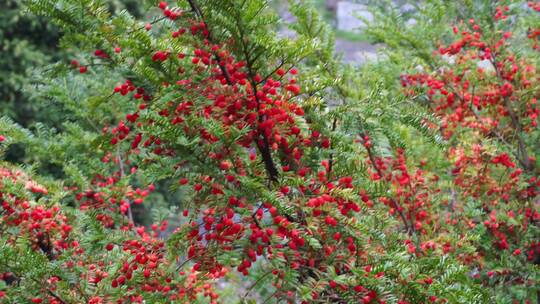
[
  {"x": 122, "y": 174},
  {"x": 394, "y": 203},
  {"x": 522, "y": 148}
]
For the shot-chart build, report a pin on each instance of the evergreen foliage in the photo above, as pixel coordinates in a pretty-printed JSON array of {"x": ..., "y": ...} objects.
[{"x": 196, "y": 155}]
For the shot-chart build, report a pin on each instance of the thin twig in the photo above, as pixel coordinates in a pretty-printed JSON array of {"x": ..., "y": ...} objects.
[
  {"x": 255, "y": 284},
  {"x": 121, "y": 164},
  {"x": 394, "y": 203},
  {"x": 522, "y": 148},
  {"x": 143, "y": 27}
]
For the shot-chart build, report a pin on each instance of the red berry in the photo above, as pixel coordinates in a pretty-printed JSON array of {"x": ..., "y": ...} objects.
[{"x": 225, "y": 165}]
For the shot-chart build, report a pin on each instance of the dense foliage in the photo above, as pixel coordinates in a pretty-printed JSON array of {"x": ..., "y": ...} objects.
[{"x": 197, "y": 155}]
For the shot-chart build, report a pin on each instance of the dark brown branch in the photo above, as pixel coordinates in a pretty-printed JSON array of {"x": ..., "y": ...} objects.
[
  {"x": 266, "y": 154},
  {"x": 394, "y": 203},
  {"x": 279, "y": 66},
  {"x": 122, "y": 174},
  {"x": 255, "y": 284},
  {"x": 264, "y": 149},
  {"x": 522, "y": 148},
  {"x": 331, "y": 160},
  {"x": 152, "y": 22},
  {"x": 55, "y": 296},
  {"x": 222, "y": 67},
  {"x": 51, "y": 293}
]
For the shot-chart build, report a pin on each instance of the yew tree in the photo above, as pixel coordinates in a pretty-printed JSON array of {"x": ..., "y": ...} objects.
[{"x": 273, "y": 172}]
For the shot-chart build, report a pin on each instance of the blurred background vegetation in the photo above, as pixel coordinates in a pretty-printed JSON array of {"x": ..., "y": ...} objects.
[{"x": 29, "y": 42}]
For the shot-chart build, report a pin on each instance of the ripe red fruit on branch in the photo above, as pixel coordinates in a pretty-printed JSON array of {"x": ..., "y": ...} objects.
[
  {"x": 225, "y": 165},
  {"x": 228, "y": 126}
]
